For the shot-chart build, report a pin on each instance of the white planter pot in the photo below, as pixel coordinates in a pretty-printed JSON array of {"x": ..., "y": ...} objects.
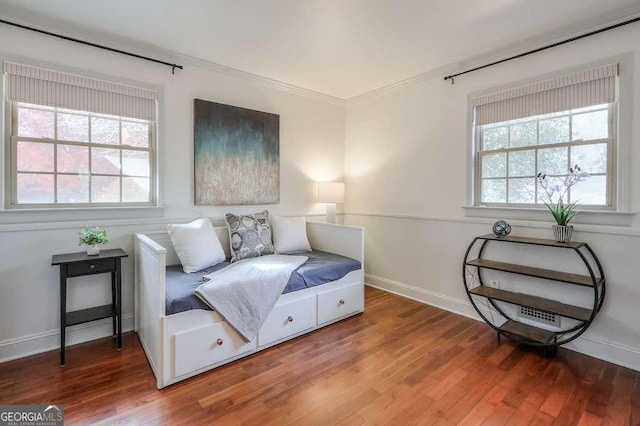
[
  {"x": 93, "y": 250},
  {"x": 562, "y": 233}
]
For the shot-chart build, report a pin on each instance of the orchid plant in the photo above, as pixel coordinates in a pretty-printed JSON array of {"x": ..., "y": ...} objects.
[{"x": 556, "y": 190}]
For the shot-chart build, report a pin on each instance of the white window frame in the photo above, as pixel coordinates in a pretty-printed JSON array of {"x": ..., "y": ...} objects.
[
  {"x": 621, "y": 213},
  {"x": 611, "y": 172},
  {"x": 11, "y": 161}
]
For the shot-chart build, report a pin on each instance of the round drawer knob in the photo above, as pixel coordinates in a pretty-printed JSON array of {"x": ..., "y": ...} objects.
[
  {"x": 92, "y": 266},
  {"x": 290, "y": 318},
  {"x": 219, "y": 342},
  {"x": 341, "y": 302}
]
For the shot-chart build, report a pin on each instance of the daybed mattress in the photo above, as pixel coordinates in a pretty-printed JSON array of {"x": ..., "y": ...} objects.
[{"x": 320, "y": 268}]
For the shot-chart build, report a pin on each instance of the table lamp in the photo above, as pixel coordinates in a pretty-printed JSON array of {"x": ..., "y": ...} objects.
[{"x": 331, "y": 193}]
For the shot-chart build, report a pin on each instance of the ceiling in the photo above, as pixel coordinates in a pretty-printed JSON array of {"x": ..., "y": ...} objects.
[{"x": 339, "y": 48}]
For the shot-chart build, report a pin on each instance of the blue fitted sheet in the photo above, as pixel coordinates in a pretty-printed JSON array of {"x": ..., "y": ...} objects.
[{"x": 320, "y": 268}]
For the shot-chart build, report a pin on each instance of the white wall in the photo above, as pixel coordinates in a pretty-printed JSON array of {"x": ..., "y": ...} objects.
[
  {"x": 406, "y": 173},
  {"x": 311, "y": 148}
]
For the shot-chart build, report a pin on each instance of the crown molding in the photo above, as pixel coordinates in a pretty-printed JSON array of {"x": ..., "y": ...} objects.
[
  {"x": 42, "y": 22},
  {"x": 394, "y": 87}
]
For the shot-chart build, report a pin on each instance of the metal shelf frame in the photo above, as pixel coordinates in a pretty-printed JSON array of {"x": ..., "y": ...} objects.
[{"x": 514, "y": 329}]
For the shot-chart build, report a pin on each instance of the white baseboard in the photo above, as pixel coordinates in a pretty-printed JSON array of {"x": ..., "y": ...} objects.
[
  {"x": 11, "y": 349},
  {"x": 448, "y": 303},
  {"x": 613, "y": 352}
]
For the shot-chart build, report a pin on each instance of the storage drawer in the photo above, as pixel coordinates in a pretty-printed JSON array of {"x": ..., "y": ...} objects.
[
  {"x": 288, "y": 319},
  {"x": 95, "y": 267},
  {"x": 338, "y": 303},
  {"x": 195, "y": 349}
]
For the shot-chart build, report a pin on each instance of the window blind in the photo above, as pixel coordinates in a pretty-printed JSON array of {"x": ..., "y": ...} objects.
[
  {"x": 577, "y": 90},
  {"x": 57, "y": 89}
]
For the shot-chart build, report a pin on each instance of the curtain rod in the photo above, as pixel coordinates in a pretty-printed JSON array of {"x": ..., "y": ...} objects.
[
  {"x": 87, "y": 43},
  {"x": 530, "y": 52}
]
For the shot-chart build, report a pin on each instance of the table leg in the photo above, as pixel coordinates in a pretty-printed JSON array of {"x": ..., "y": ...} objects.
[
  {"x": 119, "y": 299},
  {"x": 63, "y": 311},
  {"x": 113, "y": 300}
]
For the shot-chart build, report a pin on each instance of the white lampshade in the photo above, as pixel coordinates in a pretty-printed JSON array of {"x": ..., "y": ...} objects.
[{"x": 331, "y": 192}]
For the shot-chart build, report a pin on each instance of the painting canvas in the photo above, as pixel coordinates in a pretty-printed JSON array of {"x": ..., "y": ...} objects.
[{"x": 237, "y": 155}]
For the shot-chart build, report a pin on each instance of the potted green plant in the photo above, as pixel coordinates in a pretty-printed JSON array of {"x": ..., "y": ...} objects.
[
  {"x": 92, "y": 237},
  {"x": 556, "y": 189}
]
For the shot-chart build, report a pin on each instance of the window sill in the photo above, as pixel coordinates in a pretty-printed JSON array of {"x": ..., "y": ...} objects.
[{"x": 588, "y": 217}]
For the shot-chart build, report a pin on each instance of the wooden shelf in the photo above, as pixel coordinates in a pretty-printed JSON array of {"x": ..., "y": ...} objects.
[
  {"x": 522, "y": 299},
  {"x": 90, "y": 314},
  {"x": 533, "y": 241},
  {"x": 530, "y": 271},
  {"x": 515, "y": 327},
  {"x": 528, "y": 332}
]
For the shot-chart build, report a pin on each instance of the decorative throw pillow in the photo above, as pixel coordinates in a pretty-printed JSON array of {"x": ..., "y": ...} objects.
[
  {"x": 289, "y": 234},
  {"x": 249, "y": 235},
  {"x": 196, "y": 244}
]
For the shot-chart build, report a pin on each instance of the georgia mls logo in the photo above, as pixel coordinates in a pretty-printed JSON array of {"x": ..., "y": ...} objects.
[
  {"x": 31, "y": 415},
  {"x": 54, "y": 410}
]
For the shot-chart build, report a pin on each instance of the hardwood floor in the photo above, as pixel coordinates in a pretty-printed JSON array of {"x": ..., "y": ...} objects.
[{"x": 401, "y": 362}]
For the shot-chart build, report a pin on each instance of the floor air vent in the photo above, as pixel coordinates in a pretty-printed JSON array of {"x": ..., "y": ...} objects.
[{"x": 539, "y": 316}]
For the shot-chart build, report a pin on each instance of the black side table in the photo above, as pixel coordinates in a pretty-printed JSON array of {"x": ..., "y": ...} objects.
[{"x": 81, "y": 264}]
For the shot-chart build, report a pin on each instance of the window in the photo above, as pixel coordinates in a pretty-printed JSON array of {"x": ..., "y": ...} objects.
[
  {"x": 512, "y": 153},
  {"x": 78, "y": 142},
  {"x": 65, "y": 156},
  {"x": 547, "y": 128}
]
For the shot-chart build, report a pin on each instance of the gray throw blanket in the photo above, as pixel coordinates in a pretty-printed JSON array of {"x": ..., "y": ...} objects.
[{"x": 245, "y": 292}]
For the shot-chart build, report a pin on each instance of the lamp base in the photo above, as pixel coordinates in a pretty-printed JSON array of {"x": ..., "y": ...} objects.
[{"x": 331, "y": 213}]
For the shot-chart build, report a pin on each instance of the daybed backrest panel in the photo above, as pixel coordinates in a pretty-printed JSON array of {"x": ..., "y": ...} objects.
[
  {"x": 339, "y": 239},
  {"x": 162, "y": 238}
]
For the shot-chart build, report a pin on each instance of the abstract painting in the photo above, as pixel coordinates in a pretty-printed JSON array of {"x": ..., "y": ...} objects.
[{"x": 237, "y": 155}]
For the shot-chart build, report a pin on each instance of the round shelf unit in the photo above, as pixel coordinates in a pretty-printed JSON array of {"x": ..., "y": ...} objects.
[{"x": 489, "y": 301}]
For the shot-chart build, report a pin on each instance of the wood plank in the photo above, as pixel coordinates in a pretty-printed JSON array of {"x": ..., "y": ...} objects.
[
  {"x": 619, "y": 404},
  {"x": 573, "y": 407},
  {"x": 531, "y": 301},
  {"x": 383, "y": 367},
  {"x": 558, "y": 396},
  {"x": 89, "y": 314},
  {"x": 634, "y": 418},
  {"x": 530, "y": 271},
  {"x": 532, "y": 333},
  {"x": 587, "y": 419},
  {"x": 533, "y": 241}
]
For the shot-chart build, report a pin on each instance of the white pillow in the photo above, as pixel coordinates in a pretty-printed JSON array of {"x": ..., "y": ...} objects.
[
  {"x": 289, "y": 234},
  {"x": 196, "y": 245}
]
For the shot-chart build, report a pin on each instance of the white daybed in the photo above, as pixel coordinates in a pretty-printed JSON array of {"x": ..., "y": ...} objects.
[{"x": 188, "y": 343}]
